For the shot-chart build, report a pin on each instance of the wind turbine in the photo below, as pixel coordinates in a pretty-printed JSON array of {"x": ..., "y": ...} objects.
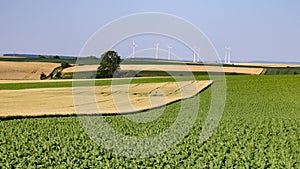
[
  {"x": 133, "y": 49},
  {"x": 196, "y": 54},
  {"x": 156, "y": 52},
  {"x": 169, "y": 52},
  {"x": 227, "y": 55},
  {"x": 194, "y": 60}
]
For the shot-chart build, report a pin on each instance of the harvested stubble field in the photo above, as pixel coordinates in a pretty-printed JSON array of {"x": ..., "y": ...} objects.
[
  {"x": 259, "y": 129},
  {"x": 25, "y": 70},
  {"x": 195, "y": 68},
  {"x": 110, "y": 99},
  {"x": 184, "y": 68},
  {"x": 267, "y": 64}
]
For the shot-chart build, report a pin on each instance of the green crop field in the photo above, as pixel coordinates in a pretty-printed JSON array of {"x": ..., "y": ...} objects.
[
  {"x": 284, "y": 70},
  {"x": 260, "y": 128},
  {"x": 97, "y": 82}
]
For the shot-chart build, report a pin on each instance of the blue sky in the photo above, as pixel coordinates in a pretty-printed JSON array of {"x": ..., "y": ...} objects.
[{"x": 255, "y": 30}]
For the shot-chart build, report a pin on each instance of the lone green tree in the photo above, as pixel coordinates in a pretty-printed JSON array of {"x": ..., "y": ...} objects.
[{"x": 110, "y": 64}]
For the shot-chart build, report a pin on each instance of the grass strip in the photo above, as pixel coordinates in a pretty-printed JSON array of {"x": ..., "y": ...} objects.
[{"x": 97, "y": 82}]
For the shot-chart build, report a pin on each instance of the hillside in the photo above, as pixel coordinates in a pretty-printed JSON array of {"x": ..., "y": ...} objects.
[{"x": 25, "y": 70}]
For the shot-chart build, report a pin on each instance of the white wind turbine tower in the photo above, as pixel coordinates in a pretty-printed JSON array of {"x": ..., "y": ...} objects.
[
  {"x": 133, "y": 49},
  {"x": 197, "y": 54},
  {"x": 156, "y": 52},
  {"x": 227, "y": 54},
  {"x": 194, "y": 60},
  {"x": 169, "y": 52}
]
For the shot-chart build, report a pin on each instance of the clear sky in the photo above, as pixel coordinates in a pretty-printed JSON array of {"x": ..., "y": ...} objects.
[{"x": 254, "y": 29}]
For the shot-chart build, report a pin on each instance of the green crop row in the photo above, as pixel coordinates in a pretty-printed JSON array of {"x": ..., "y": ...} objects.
[
  {"x": 259, "y": 129},
  {"x": 97, "y": 82},
  {"x": 282, "y": 71}
]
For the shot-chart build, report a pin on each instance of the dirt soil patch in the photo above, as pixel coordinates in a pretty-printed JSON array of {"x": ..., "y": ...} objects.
[{"x": 114, "y": 99}]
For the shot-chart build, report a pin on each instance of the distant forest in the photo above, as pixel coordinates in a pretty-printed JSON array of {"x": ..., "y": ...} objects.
[{"x": 38, "y": 56}]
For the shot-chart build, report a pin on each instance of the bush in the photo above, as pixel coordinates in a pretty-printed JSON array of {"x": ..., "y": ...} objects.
[
  {"x": 57, "y": 75},
  {"x": 42, "y": 56},
  {"x": 65, "y": 65},
  {"x": 43, "y": 76}
]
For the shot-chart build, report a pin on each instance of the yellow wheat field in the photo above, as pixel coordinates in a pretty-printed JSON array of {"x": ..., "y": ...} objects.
[
  {"x": 109, "y": 99},
  {"x": 192, "y": 68},
  {"x": 25, "y": 70}
]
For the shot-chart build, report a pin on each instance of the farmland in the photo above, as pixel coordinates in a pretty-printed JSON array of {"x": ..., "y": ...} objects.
[
  {"x": 31, "y": 68},
  {"x": 32, "y": 84},
  {"x": 173, "y": 68},
  {"x": 259, "y": 129},
  {"x": 25, "y": 71},
  {"x": 35, "y": 102}
]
